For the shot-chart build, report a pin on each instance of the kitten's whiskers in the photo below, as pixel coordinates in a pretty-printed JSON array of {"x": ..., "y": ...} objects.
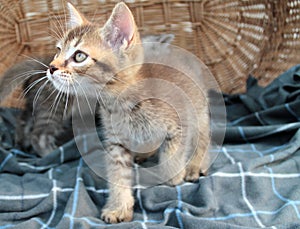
[
  {"x": 36, "y": 60},
  {"x": 26, "y": 75},
  {"x": 118, "y": 79},
  {"x": 101, "y": 101},
  {"x": 37, "y": 95},
  {"x": 77, "y": 100},
  {"x": 61, "y": 95},
  {"x": 34, "y": 83},
  {"x": 60, "y": 29},
  {"x": 85, "y": 95},
  {"x": 113, "y": 77},
  {"x": 67, "y": 101}
]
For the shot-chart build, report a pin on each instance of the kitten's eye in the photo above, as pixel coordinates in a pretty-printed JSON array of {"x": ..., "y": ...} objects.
[
  {"x": 80, "y": 57},
  {"x": 58, "y": 50}
]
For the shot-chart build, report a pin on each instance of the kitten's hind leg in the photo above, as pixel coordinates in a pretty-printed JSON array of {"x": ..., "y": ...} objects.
[
  {"x": 196, "y": 162},
  {"x": 172, "y": 161},
  {"x": 197, "y": 156},
  {"x": 119, "y": 206}
]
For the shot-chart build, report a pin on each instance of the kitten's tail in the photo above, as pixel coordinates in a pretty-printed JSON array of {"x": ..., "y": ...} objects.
[{"x": 20, "y": 73}]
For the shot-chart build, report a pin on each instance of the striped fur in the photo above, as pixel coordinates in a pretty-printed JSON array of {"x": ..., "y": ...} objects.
[{"x": 134, "y": 121}]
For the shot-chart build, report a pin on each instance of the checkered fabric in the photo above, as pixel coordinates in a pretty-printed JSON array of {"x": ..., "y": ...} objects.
[{"x": 254, "y": 182}]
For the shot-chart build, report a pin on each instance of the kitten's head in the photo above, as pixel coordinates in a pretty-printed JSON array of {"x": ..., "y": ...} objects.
[{"x": 90, "y": 57}]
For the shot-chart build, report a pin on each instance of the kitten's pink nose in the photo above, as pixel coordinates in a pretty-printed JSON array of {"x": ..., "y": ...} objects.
[{"x": 52, "y": 69}]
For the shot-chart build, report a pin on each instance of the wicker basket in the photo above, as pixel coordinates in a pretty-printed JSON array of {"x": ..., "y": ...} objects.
[{"x": 234, "y": 38}]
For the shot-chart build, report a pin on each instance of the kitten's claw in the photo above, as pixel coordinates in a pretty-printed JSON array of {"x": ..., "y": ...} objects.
[
  {"x": 118, "y": 209},
  {"x": 192, "y": 175}
]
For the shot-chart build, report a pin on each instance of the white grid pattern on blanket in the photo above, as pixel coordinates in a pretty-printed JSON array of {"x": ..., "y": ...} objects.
[{"x": 178, "y": 210}]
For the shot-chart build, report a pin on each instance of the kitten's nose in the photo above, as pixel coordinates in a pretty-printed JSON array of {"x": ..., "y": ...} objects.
[{"x": 52, "y": 69}]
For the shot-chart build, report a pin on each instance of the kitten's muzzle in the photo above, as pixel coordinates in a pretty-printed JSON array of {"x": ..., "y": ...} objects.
[{"x": 52, "y": 69}]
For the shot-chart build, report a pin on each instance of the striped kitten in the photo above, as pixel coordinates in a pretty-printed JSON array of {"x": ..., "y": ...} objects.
[
  {"x": 43, "y": 121},
  {"x": 136, "y": 108}
]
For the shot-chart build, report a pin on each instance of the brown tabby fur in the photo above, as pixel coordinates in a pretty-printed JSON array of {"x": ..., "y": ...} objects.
[{"x": 134, "y": 103}]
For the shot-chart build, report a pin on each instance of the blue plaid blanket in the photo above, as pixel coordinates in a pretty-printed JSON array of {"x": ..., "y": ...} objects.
[{"x": 254, "y": 182}]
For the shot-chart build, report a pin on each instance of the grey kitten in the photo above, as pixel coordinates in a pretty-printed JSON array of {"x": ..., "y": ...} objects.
[{"x": 43, "y": 118}]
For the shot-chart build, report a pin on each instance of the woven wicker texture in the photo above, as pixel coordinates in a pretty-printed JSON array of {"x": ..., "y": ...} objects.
[{"x": 234, "y": 38}]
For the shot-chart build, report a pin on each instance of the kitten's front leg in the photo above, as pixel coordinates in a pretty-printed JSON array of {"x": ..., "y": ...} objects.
[
  {"x": 46, "y": 127},
  {"x": 43, "y": 137},
  {"x": 24, "y": 127},
  {"x": 119, "y": 206}
]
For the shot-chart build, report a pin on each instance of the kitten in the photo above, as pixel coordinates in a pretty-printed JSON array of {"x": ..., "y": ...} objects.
[
  {"x": 43, "y": 105},
  {"x": 151, "y": 47},
  {"x": 107, "y": 63},
  {"x": 43, "y": 121}
]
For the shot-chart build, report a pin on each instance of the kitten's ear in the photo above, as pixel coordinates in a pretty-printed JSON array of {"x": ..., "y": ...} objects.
[
  {"x": 120, "y": 29},
  {"x": 166, "y": 38},
  {"x": 76, "y": 18}
]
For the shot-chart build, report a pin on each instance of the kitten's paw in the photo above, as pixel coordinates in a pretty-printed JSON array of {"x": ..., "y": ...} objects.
[
  {"x": 43, "y": 144},
  {"x": 192, "y": 174},
  {"x": 122, "y": 213}
]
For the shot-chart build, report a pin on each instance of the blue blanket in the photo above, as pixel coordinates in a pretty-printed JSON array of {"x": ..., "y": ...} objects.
[{"x": 254, "y": 181}]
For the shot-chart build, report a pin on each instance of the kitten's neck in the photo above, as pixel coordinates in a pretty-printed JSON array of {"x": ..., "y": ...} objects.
[
  {"x": 122, "y": 103},
  {"x": 126, "y": 91}
]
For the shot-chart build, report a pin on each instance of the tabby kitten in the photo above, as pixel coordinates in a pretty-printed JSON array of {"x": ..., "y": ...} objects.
[
  {"x": 139, "y": 103},
  {"x": 135, "y": 106}
]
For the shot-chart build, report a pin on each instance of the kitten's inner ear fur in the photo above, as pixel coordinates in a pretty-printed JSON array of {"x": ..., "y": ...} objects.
[
  {"x": 120, "y": 30},
  {"x": 76, "y": 18}
]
